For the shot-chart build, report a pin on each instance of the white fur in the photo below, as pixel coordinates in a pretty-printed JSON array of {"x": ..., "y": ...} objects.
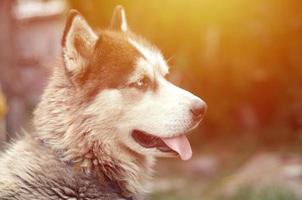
[
  {"x": 142, "y": 68},
  {"x": 154, "y": 57},
  {"x": 124, "y": 26},
  {"x": 163, "y": 113}
]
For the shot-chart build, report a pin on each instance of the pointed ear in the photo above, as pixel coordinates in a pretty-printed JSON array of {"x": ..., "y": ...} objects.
[
  {"x": 78, "y": 42},
  {"x": 118, "y": 20}
]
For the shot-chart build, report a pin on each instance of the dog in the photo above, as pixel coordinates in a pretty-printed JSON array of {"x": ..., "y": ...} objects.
[{"x": 106, "y": 115}]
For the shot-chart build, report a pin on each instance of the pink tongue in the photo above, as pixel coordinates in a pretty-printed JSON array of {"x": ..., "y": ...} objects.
[{"x": 181, "y": 145}]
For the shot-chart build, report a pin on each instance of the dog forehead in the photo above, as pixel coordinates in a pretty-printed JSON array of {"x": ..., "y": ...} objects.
[
  {"x": 121, "y": 53},
  {"x": 114, "y": 56},
  {"x": 114, "y": 47},
  {"x": 115, "y": 61},
  {"x": 111, "y": 64}
]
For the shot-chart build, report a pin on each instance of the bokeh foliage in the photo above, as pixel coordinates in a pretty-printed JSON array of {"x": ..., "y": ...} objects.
[{"x": 242, "y": 57}]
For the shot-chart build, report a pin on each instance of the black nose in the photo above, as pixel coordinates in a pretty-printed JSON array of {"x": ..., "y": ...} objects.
[{"x": 198, "y": 109}]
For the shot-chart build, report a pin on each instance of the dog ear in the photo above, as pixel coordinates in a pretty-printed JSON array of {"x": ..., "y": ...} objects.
[
  {"x": 78, "y": 42},
  {"x": 118, "y": 20}
]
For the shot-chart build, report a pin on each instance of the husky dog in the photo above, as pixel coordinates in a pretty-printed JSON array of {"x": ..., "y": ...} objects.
[{"x": 106, "y": 114}]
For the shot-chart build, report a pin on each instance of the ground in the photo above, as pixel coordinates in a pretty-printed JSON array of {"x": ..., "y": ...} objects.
[{"x": 249, "y": 174}]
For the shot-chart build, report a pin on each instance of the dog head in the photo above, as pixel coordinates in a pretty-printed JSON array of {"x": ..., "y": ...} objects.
[{"x": 119, "y": 81}]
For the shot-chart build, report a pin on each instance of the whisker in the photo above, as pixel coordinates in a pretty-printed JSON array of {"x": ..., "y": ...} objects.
[{"x": 170, "y": 58}]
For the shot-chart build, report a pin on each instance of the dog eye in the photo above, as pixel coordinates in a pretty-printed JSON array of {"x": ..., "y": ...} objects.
[{"x": 141, "y": 84}]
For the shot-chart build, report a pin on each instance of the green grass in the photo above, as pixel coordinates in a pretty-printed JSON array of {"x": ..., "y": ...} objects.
[
  {"x": 244, "y": 193},
  {"x": 269, "y": 193},
  {"x": 166, "y": 196}
]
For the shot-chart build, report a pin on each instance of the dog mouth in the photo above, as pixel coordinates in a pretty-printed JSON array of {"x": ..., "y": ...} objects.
[{"x": 178, "y": 145}]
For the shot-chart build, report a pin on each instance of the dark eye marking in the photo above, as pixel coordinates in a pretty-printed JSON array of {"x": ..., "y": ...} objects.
[{"x": 141, "y": 84}]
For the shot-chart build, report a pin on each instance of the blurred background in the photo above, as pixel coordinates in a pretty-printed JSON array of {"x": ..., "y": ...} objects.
[{"x": 244, "y": 58}]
